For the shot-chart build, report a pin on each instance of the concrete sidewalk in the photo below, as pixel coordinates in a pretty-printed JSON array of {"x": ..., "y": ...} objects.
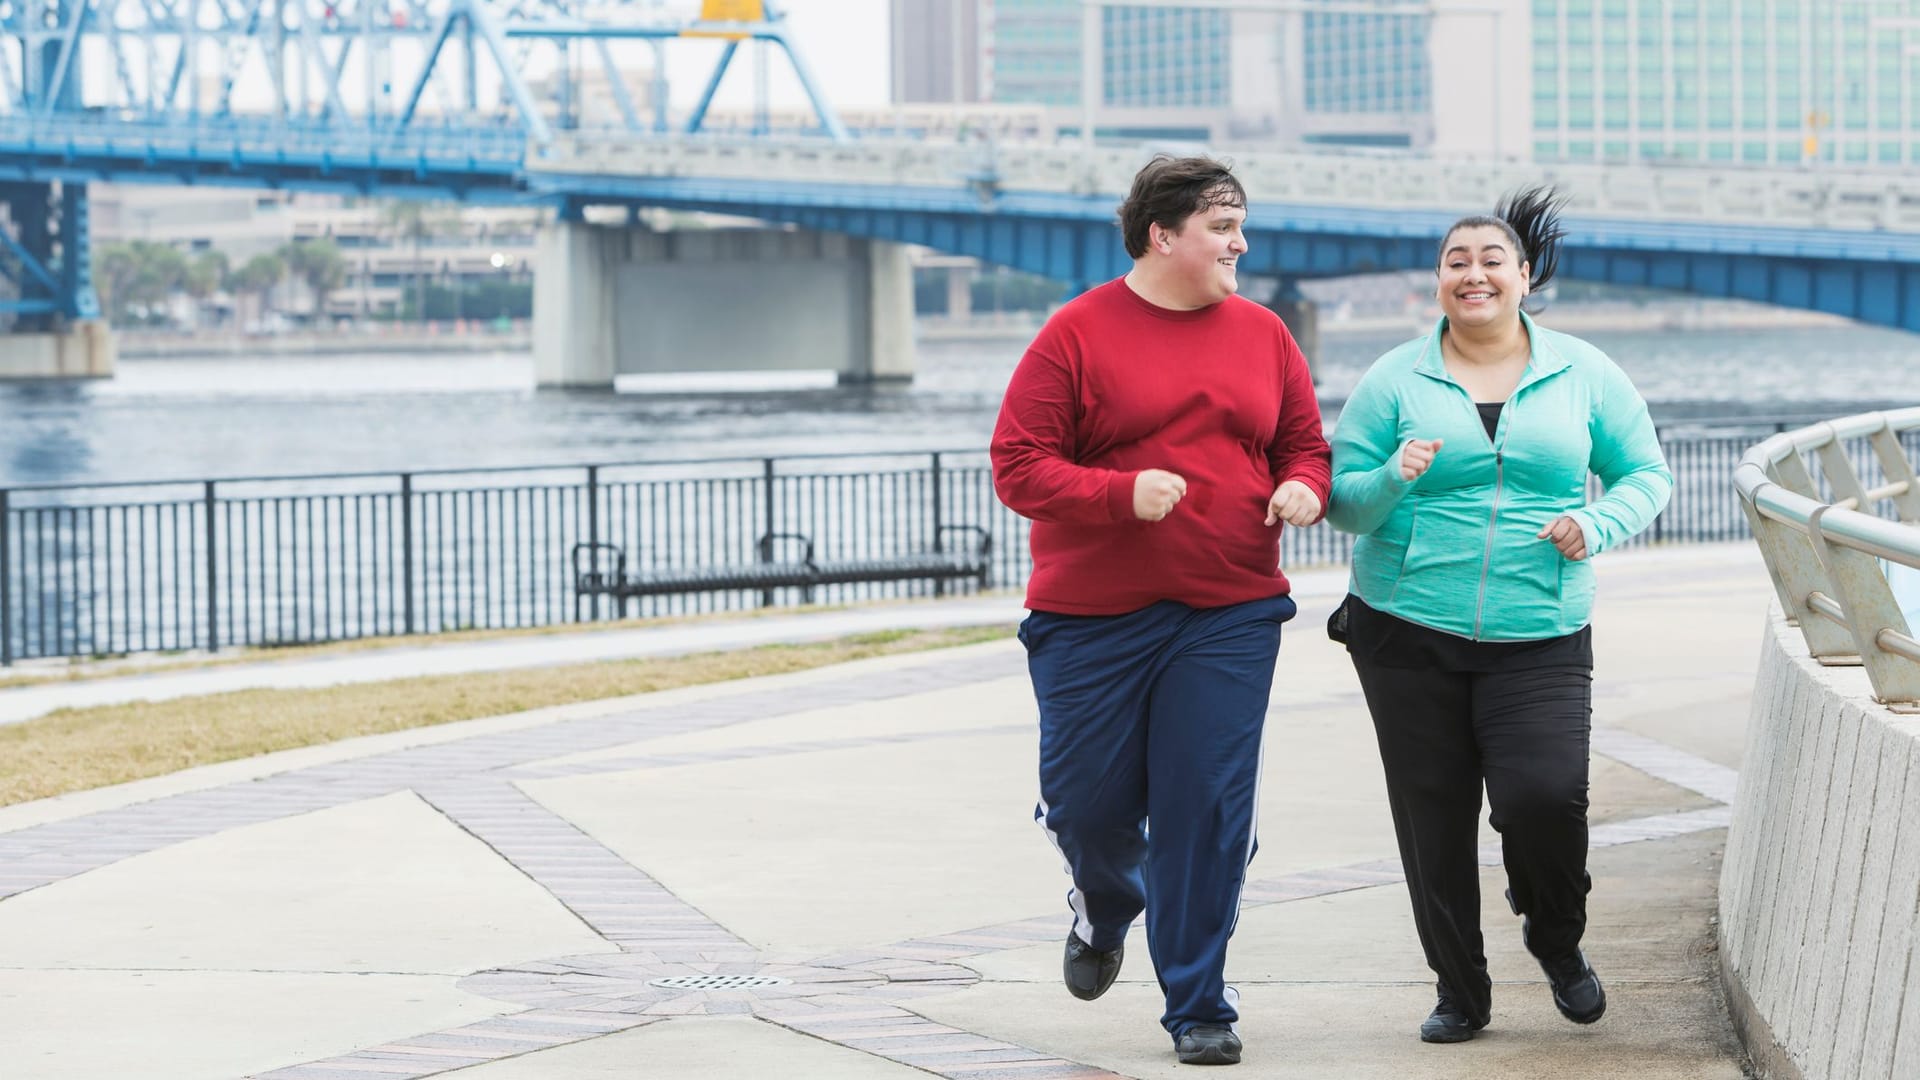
[{"x": 836, "y": 874}]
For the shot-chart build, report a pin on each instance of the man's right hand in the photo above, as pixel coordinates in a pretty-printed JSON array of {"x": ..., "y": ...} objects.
[
  {"x": 1415, "y": 458},
  {"x": 1155, "y": 493}
]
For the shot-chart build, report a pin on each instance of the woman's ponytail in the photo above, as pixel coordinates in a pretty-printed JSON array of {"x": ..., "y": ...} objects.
[
  {"x": 1531, "y": 219},
  {"x": 1532, "y": 215}
]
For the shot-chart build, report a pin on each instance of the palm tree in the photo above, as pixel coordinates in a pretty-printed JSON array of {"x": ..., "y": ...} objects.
[
  {"x": 257, "y": 278},
  {"x": 138, "y": 272},
  {"x": 415, "y": 222},
  {"x": 317, "y": 262},
  {"x": 115, "y": 266},
  {"x": 205, "y": 275}
]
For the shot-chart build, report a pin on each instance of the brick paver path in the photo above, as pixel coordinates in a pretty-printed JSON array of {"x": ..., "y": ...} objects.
[{"x": 860, "y": 1000}]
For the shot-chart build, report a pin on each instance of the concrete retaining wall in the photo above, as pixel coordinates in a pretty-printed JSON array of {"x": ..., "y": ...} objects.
[{"x": 1819, "y": 936}]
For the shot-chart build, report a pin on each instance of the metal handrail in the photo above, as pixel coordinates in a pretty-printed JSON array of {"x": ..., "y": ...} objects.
[
  {"x": 1824, "y": 556},
  {"x": 935, "y": 452}
]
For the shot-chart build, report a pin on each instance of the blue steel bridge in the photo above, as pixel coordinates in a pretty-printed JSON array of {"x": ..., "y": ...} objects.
[{"x": 438, "y": 100}]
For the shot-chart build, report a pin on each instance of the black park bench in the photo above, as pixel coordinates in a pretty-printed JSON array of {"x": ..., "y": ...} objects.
[{"x": 600, "y": 569}]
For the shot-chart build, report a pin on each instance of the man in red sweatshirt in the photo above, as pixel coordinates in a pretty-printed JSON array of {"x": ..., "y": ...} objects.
[{"x": 1158, "y": 432}]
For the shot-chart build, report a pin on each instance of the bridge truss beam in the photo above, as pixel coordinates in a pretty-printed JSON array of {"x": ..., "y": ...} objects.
[
  {"x": 407, "y": 98},
  {"x": 46, "y": 278},
  {"x": 379, "y": 65}
]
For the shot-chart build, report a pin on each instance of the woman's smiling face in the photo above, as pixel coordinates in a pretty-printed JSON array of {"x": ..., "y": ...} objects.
[{"x": 1482, "y": 279}]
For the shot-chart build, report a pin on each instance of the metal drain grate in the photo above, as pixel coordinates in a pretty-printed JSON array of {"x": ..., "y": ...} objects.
[{"x": 717, "y": 982}]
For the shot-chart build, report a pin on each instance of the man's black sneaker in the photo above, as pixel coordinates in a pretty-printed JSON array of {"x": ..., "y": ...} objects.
[
  {"x": 1577, "y": 992},
  {"x": 1087, "y": 970},
  {"x": 1448, "y": 1024},
  {"x": 1209, "y": 1045}
]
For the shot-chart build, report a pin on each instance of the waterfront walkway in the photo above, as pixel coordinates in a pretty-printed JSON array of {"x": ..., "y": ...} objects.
[{"x": 839, "y": 873}]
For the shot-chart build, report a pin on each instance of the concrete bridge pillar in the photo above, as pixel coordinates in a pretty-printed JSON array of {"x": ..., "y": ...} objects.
[
  {"x": 82, "y": 350},
  {"x": 887, "y": 354},
  {"x": 59, "y": 333},
  {"x": 1301, "y": 315},
  {"x": 612, "y": 301},
  {"x": 959, "y": 292},
  {"x": 573, "y": 304}
]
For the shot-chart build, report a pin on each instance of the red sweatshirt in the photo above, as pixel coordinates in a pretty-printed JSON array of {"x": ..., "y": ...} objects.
[{"x": 1114, "y": 385}]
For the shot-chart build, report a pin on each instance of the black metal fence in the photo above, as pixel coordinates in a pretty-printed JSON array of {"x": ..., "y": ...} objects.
[{"x": 112, "y": 569}]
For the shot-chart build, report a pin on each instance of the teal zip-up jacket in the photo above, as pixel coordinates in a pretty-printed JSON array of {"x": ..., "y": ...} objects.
[{"x": 1456, "y": 549}]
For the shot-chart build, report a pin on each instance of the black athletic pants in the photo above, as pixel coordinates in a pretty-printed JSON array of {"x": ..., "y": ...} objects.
[{"x": 1525, "y": 734}]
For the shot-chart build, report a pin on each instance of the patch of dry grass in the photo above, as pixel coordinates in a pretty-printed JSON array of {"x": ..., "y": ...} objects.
[
  {"x": 87, "y": 668},
  {"x": 78, "y": 749}
]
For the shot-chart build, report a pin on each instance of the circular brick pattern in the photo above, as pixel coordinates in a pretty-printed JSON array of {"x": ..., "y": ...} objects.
[
  {"x": 631, "y": 982},
  {"x": 717, "y": 982}
]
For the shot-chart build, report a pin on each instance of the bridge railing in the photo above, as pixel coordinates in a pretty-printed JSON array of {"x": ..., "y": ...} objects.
[
  {"x": 248, "y": 561},
  {"x": 1825, "y": 548},
  {"x": 135, "y": 133},
  {"x": 1863, "y": 199}
]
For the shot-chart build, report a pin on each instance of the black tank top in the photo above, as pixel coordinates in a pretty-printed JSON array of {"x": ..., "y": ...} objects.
[{"x": 1490, "y": 415}]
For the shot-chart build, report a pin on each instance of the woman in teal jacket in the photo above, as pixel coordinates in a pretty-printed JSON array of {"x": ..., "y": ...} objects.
[{"x": 1462, "y": 460}]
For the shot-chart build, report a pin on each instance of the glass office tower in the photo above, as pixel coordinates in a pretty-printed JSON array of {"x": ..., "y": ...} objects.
[
  {"x": 1359, "y": 63},
  {"x": 1756, "y": 81},
  {"x": 1155, "y": 57}
]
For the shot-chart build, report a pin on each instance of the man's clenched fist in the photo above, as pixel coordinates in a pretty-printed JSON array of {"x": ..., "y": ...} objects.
[
  {"x": 1155, "y": 493},
  {"x": 1294, "y": 503}
]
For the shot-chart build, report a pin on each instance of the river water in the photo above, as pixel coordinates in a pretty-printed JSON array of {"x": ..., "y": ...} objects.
[{"x": 218, "y": 417}]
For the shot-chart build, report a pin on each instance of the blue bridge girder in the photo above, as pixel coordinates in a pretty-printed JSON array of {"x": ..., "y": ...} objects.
[
  {"x": 106, "y": 90},
  {"x": 1872, "y": 276},
  {"x": 468, "y": 164}
]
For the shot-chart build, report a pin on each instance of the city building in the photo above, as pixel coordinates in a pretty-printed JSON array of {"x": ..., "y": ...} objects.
[
  {"x": 1360, "y": 63},
  {"x": 458, "y": 246},
  {"x": 1201, "y": 70},
  {"x": 936, "y": 51},
  {"x": 1159, "y": 56},
  {"x": 1751, "y": 81},
  {"x": 1735, "y": 81}
]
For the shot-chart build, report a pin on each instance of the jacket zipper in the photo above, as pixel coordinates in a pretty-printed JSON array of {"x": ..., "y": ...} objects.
[
  {"x": 1499, "y": 488},
  {"x": 1493, "y": 519}
]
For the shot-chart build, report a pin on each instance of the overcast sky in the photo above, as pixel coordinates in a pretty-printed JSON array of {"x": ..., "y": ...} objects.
[{"x": 843, "y": 41}]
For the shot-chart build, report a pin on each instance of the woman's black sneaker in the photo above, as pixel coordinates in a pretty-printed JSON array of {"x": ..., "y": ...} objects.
[
  {"x": 1448, "y": 1024},
  {"x": 1577, "y": 992}
]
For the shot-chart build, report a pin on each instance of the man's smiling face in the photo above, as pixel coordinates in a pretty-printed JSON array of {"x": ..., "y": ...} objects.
[{"x": 1206, "y": 249}]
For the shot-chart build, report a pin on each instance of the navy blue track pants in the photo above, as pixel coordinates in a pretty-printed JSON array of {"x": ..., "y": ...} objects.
[{"x": 1150, "y": 739}]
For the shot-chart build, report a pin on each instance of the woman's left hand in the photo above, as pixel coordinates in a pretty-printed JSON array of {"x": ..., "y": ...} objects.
[{"x": 1566, "y": 535}]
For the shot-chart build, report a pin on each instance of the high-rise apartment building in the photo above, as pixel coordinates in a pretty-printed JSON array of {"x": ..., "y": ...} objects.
[
  {"x": 1165, "y": 57},
  {"x": 1360, "y": 63},
  {"x": 1736, "y": 81},
  {"x": 1190, "y": 69},
  {"x": 1150, "y": 57},
  {"x": 1757, "y": 81},
  {"x": 937, "y": 51},
  {"x": 1035, "y": 51}
]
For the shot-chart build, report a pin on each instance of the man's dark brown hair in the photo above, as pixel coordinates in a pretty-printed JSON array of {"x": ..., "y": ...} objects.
[{"x": 1169, "y": 190}]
